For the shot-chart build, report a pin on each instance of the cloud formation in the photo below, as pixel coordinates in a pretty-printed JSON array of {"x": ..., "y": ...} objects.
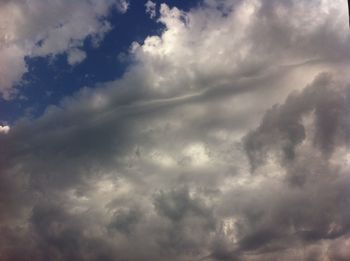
[
  {"x": 47, "y": 28},
  {"x": 187, "y": 157}
]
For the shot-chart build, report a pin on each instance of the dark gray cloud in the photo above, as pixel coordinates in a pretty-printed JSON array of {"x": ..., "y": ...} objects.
[{"x": 157, "y": 165}]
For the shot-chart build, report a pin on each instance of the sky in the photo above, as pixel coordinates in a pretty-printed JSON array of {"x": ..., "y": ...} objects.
[{"x": 174, "y": 130}]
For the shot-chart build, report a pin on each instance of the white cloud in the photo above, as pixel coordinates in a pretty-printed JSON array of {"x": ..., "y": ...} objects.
[
  {"x": 40, "y": 28},
  {"x": 75, "y": 56},
  {"x": 197, "y": 154},
  {"x": 12, "y": 66},
  {"x": 123, "y": 5},
  {"x": 151, "y": 9},
  {"x": 4, "y": 129}
]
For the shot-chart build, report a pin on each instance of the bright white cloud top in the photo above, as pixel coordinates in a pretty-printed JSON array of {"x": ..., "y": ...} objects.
[{"x": 226, "y": 139}]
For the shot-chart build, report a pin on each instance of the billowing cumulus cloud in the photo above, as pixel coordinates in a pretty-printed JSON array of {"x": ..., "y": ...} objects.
[
  {"x": 226, "y": 139},
  {"x": 47, "y": 28}
]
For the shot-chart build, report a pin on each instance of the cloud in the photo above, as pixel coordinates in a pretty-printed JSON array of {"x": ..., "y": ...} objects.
[
  {"x": 157, "y": 165},
  {"x": 283, "y": 127},
  {"x": 308, "y": 136},
  {"x": 76, "y": 56},
  {"x": 151, "y": 9},
  {"x": 47, "y": 28},
  {"x": 123, "y": 5},
  {"x": 4, "y": 129}
]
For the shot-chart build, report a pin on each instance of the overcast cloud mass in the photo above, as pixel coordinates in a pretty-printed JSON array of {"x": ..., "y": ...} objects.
[{"x": 226, "y": 139}]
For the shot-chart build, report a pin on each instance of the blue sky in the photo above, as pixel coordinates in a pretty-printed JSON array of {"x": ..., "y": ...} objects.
[{"x": 174, "y": 130}]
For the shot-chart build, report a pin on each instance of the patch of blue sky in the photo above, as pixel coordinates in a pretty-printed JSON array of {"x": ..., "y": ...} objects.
[{"x": 49, "y": 79}]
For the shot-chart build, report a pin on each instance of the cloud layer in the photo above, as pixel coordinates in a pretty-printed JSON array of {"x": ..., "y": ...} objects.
[{"x": 226, "y": 139}]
